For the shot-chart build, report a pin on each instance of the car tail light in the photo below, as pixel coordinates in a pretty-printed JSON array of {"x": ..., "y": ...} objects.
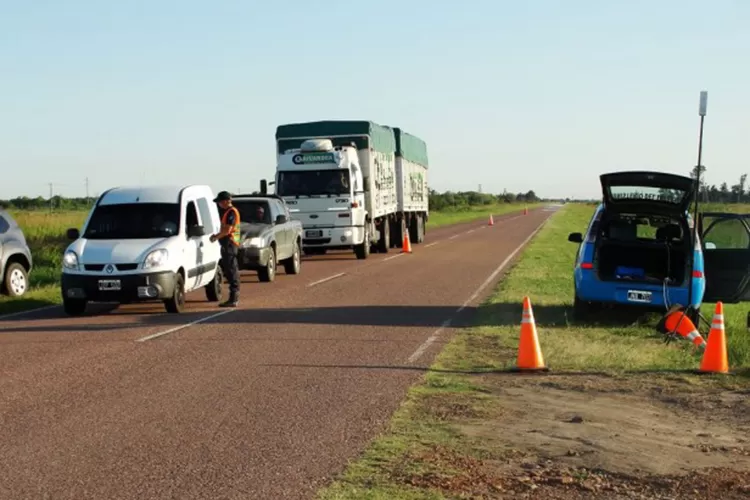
[
  {"x": 587, "y": 265},
  {"x": 697, "y": 274}
]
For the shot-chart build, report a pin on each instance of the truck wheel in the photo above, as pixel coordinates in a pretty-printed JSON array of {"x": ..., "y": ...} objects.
[
  {"x": 268, "y": 273},
  {"x": 74, "y": 307},
  {"x": 385, "y": 236},
  {"x": 293, "y": 264},
  {"x": 420, "y": 229},
  {"x": 414, "y": 230},
  {"x": 213, "y": 289},
  {"x": 363, "y": 251},
  {"x": 176, "y": 304},
  {"x": 16, "y": 280}
]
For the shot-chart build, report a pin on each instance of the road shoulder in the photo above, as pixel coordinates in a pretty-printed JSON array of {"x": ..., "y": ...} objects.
[{"x": 618, "y": 416}]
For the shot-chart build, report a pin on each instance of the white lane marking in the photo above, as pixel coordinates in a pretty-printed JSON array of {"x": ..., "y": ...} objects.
[
  {"x": 326, "y": 279},
  {"x": 394, "y": 256},
  {"x": 432, "y": 244},
  {"x": 470, "y": 231},
  {"x": 186, "y": 325},
  {"x": 436, "y": 334},
  {"x": 454, "y": 237},
  {"x": 28, "y": 311}
]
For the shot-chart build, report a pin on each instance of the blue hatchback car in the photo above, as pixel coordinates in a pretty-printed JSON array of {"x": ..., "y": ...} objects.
[{"x": 637, "y": 248}]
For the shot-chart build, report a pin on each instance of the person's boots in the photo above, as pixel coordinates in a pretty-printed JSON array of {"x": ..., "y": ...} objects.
[{"x": 232, "y": 301}]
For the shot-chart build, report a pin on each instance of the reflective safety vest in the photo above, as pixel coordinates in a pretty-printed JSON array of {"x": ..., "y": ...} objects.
[{"x": 234, "y": 236}]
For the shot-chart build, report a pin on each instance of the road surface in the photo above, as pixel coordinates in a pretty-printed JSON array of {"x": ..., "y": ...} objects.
[{"x": 266, "y": 401}]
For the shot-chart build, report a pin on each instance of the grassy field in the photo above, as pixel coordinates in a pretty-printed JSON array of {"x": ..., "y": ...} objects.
[
  {"x": 427, "y": 452},
  {"x": 45, "y": 233}
]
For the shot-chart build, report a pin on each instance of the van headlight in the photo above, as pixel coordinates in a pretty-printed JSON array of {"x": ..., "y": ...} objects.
[
  {"x": 253, "y": 243},
  {"x": 70, "y": 260},
  {"x": 156, "y": 258}
]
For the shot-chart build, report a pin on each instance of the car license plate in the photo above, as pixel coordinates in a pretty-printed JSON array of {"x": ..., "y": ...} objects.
[
  {"x": 639, "y": 296},
  {"x": 313, "y": 234},
  {"x": 108, "y": 285}
]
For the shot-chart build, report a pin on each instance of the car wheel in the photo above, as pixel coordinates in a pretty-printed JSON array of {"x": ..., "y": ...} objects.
[
  {"x": 74, "y": 307},
  {"x": 268, "y": 273},
  {"x": 16, "y": 282},
  {"x": 293, "y": 264},
  {"x": 176, "y": 304},
  {"x": 363, "y": 251},
  {"x": 213, "y": 289}
]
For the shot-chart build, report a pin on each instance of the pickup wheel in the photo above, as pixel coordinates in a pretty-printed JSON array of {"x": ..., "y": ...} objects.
[
  {"x": 293, "y": 264},
  {"x": 16, "y": 280},
  {"x": 363, "y": 251},
  {"x": 176, "y": 304},
  {"x": 268, "y": 273},
  {"x": 213, "y": 289},
  {"x": 74, "y": 307}
]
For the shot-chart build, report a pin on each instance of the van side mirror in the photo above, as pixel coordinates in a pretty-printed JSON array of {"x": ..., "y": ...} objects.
[
  {"x": 281, "y": 219},
  {"x": 196, "y": 231},
  {"x": 73, "y": 234},
  {"x": 575, "y": 238}
]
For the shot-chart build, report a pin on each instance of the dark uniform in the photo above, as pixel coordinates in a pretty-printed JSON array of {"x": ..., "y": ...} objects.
[{"x": 229, "y": 249}]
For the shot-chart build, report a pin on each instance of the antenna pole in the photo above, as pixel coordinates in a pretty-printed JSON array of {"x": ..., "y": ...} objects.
[{"x": 702, "y": 113}]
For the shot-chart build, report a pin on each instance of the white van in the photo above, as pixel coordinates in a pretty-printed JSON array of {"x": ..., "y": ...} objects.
[{"x": 142, "y": 244}]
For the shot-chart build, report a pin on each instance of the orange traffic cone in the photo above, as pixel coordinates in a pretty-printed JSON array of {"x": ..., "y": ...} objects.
[
  {"x": 529, "y": 352},
  {"x": 526, "y": 210},
  {"x": 406, "y": 246},
  {"x": 715, "y": 356},
  {"x": 492, "y": 222}
]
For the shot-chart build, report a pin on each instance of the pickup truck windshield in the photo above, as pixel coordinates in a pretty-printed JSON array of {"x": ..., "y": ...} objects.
[
  {"x": 313, "y": 182},
  {"x": 253, "y": 212},
  {"x": 134, "y": 221}
]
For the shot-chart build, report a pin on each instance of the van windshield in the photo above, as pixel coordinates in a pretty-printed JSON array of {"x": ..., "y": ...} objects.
[
  {"x": 134, "y": 221},
  {"x": 313, "y": 182}
]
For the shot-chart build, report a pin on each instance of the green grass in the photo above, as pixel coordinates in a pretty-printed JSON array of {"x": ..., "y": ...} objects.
[
  {"x": 397, "y": 464},
  {"x": 471, "y": 214},
  {"x": 45, "y": 233}
]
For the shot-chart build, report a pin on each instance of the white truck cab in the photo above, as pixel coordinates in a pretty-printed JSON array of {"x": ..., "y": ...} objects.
[
  {"x": 324, "y": 189},
  {"x": 143, "y": 244}
]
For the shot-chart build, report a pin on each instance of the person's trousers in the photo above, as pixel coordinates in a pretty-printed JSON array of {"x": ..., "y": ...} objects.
[{"x": 230, "y": 267}]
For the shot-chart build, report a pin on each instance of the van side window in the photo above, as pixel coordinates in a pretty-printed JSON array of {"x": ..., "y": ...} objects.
[
  {"x": 208, "y": 222},
  {"x": 191, "y": 215}
]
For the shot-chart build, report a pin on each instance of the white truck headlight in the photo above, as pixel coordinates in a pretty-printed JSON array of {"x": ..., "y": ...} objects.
[
  {"x": 156, "y": 258},
  {"x": 70, "y": 260},
  {"x": 253, "y": 243}
]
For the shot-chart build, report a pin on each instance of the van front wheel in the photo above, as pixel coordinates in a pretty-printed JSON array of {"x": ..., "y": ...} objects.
[{"x": 176, "y": 304}]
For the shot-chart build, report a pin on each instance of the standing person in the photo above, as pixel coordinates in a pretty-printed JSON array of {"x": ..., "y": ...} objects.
[{"x": 229, "y": 239}]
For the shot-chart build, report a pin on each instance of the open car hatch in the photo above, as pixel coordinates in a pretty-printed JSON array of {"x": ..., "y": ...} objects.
[
  {"x": 647, "y": 192},
  {"x": 726, "y": 256}
]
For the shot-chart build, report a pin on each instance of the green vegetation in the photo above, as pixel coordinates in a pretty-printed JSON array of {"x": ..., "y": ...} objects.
[{"x": 426, "y": 452}]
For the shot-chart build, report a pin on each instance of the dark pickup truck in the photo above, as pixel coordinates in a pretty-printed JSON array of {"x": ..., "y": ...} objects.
[{"x": 269, "y": 236}]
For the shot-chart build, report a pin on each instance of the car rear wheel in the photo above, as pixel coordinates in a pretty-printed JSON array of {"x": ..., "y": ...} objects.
[
  {"x": 213, "y": 289},
  {"x": 16, "y": 280},
  {"x": 293, "y": 264}
]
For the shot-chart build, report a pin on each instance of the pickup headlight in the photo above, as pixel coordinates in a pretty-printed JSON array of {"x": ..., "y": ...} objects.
[
  {"x": 70, "y": 260},
  {"x": 253, "y": 243},
  {"x": 156, "y": 258}
]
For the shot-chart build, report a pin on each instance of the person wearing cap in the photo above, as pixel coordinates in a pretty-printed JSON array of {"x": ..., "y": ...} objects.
[{"x": 229, "y": 239}]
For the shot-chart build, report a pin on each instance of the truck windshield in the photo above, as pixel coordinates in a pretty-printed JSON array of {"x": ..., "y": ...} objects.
[
  {"x": 134, "y": 221},
  {"x": 313, "y": 182}
]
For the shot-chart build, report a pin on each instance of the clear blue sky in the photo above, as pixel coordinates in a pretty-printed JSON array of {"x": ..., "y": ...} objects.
[{"x": 539, "y": 95}]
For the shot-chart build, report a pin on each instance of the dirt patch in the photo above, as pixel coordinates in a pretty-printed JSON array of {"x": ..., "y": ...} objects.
[{"x": 451, "y": 407}]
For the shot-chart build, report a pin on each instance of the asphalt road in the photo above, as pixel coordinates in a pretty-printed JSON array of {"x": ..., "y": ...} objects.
[{"x": 266, "y": 401}]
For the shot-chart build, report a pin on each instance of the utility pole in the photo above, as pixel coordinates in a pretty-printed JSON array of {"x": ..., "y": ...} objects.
[
  {"x": 480, "y": 188},
  {"x": 50, "y": 197},
  {"x": 87, "y": 189}
]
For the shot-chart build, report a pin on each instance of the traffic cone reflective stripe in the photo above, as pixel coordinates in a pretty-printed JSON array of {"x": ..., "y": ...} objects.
[
  {"x": 529, "y": 352},
  {"x": 715, "y": 356}
]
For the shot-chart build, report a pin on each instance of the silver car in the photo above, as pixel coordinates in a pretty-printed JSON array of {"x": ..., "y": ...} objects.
[{"x": 15, "y": 257}]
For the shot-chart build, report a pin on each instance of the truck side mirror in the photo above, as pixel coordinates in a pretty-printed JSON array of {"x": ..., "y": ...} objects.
[
  {"x": 263, "y": 186},
  {"x": 281, "y": 219}
]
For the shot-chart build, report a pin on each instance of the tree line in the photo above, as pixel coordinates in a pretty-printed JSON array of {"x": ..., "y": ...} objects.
[
  {"x": 447, "y": 201},
  {"x": 722, "y": 193}
]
